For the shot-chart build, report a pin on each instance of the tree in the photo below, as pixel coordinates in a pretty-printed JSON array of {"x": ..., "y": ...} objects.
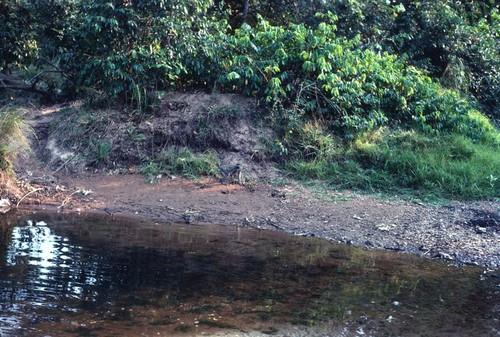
[
  {"x": 18, "y": 34},
  {"x": 128, "y": 47}
]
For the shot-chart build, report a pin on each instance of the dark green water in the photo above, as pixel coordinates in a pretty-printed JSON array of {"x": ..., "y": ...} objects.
[{"x": 88, "y": 275}]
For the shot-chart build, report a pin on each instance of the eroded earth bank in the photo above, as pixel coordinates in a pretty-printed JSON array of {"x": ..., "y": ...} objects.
[{"x": 461, "y": 232}]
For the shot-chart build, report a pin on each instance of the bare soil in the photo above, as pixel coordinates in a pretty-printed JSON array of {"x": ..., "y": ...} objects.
[{"x": 461, "y": 232}]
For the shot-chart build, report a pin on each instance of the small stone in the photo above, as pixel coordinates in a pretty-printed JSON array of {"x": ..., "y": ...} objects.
[
  {"x": 386, "y": 227},
  {"x": 445, "y": 256},
  {"x": 4, "y": 205},
  {"x": 480, "y": 230}
]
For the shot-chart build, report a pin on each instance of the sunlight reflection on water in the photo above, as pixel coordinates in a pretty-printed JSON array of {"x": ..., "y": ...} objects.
[{"x": 70, "y": 275}]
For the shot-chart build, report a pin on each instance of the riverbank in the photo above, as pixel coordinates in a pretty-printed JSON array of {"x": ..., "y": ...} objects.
[
  {"x": 55, "y": 176},
  {"x": 460, "y": 232}
]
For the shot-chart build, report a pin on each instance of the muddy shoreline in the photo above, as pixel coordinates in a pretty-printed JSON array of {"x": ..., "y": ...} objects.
[{"x": 461, "y": 233}]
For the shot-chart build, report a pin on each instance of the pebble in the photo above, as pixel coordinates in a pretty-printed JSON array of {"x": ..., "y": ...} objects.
[
  {"x": 480, "y": 230},
  {"x": 4, "y": 205}
]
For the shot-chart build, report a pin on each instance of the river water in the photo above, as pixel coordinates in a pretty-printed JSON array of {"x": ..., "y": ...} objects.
[{"x": 94, "y": 275}]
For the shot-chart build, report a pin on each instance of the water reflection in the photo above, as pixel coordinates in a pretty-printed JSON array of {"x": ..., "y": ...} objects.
[{"x": 69, "y": 275}]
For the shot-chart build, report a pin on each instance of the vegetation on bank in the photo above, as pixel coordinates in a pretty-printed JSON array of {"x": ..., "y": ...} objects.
[
  {"x": 409, "y": 163},
  {"x": 13, "y": 137},
  {"x": 385, "y": 96}
]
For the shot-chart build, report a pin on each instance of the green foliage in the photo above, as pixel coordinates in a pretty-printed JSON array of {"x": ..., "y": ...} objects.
[
  {"x": 125, "y": 49},
  {"x": 180, "y": 161},
  {"x": 308, "y": 73},
  {"x": 102, "y": 152},
  {"x": 311, "y": 142},
  {"x": 18, "y": 37},
  {"x": 129, "y": 49},
  {"x": 5, "y": 164},
  {"x": 34, "y": 35},
  {"x": 455, "y": 41},
  {"x": 482, "y": 53}
]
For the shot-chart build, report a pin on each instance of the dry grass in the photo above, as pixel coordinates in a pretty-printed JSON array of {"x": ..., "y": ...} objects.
[{"x": 14, "y": 133}]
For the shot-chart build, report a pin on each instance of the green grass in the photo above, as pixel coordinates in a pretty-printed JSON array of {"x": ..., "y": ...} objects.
[
  {"x": 180, "y": 161},
  {"x": 101, "y": 152},
  {"x": 410, "y": 163}
]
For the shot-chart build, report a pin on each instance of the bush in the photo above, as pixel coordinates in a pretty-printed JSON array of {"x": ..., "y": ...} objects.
[{"x": 305, "y": 74}]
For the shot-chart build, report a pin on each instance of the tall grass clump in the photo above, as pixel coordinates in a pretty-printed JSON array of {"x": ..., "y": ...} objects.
[
  {"x": 449, "y": 166},
  {"x": 13, "y": 136}
]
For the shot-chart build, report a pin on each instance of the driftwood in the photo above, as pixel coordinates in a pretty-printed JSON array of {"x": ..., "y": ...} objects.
[{"x": 31, "y": 192}]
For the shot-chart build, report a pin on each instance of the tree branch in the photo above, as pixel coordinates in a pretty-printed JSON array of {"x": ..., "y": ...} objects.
[{"x": 14, "y": 83}]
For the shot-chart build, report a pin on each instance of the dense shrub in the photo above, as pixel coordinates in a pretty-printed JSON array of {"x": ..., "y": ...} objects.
[
  {"x": 306, "y": 73},
  {"x": 457, "y": 42},
  {"x": 129, "y": 49}
]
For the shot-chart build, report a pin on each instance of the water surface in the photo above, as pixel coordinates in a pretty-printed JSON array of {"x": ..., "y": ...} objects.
[{"x": 90, "y": 275}]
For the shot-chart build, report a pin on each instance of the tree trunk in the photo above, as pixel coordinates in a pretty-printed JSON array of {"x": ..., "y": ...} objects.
[{"x": 246, "y": 5}]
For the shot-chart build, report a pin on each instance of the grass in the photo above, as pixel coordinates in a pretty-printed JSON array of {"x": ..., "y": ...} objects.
[
  {"x": 94, "y": 134},
  {"x": 180, "y": 161},
  {"x": 229, "y": 111},
  {"x": 13, "y": 136},
  {"x": 102, "y": 152},
  {"x": 412, "y": 164},
  {"x": 85, "y": 130},
  {"x": 215, "y": 120}
]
